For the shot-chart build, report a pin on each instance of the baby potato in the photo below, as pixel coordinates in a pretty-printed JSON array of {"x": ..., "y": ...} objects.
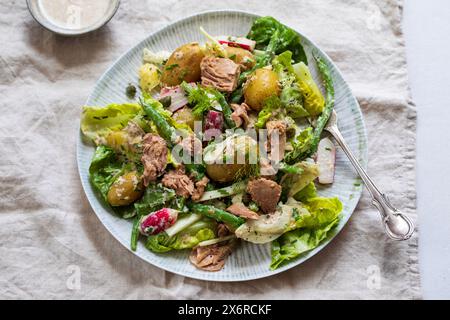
[
  {"x": 223, "y": 172},
  {"x": 185, "y": 116},
  {"x": 241, "y": 149},
  {"x": 262, "y": 85},
  {"x": 117, "y": 140},
  {"x": 241, "y": 56},
  {"x": 183, "y": 65},
  {"x": 125, "y": 190}
]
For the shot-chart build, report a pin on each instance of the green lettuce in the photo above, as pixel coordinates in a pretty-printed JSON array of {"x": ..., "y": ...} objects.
[
  {"x": 295, "y": 243},
  {"x": 313, "y": 100},
  {"x": 306, "y": 193},
  {"x": 97, "y": 122},
  {"x": 311, "y": 224},
  {"x": 320, "y": 211},
  {"x": 155, "y": 197},
  {"x": 274, "y": 38},
  {"x": 292, "y": 183},
  {"x": 191, "y": 236},
  {"x": 105, "y": 168},
  {"x": 272, "y": 107},
  {"x": 271, "y": 38},
  {"x": 291, "y": 96},
  {"x": 307, "y": 142},
  {"x": 301, "y": 146}
]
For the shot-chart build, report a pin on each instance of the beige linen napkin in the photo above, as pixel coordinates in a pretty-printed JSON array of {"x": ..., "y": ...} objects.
[{"x": 49, "y": 236}]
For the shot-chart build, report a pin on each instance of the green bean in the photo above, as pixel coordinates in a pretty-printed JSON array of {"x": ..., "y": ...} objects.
[
  {"x": 135, "y": 233},
  {"x": 217, "y": 214},
  {"x": 166, "y": 131},
  {"x": 226, "y": 110}
]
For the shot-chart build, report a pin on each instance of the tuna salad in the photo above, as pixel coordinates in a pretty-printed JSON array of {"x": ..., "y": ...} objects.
[{"x": 220, "y": 142}]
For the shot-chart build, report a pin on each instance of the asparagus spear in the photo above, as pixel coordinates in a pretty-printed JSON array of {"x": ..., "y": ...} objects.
[
  {"x": 329, "y": 103},
  {"x": 311, "y": 140},
  {"x": 166, "y": 131},
  {"x": 217, "y": 214},
  {"x": 226, "y": 110},
  {"x": 135, "y": 233}
]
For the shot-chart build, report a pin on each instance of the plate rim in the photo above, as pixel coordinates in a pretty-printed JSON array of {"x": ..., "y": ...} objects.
[{"x": 269, "y": 273}]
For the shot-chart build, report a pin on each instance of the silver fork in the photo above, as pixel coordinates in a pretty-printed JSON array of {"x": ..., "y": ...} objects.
[{"x": 398, "y": 225}]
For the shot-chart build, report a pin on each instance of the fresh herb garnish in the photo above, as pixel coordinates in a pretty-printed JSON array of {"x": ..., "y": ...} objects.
[
  {"x": 172, "y": 66},
  {"x": 183, "y": 74}
]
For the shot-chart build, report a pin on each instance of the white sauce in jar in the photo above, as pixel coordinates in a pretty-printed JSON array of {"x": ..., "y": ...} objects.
[{"x": 74, "y": 14}]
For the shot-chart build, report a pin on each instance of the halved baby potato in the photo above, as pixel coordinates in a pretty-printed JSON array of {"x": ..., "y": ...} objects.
[
  {"x": 263, "y": 84},
  {"x": 183, "y": 65},
  {"x": 224, "y": 160},
  {"x": 125, "y": 190}
]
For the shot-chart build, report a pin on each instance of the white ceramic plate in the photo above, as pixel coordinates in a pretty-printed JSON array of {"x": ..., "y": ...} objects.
[{"x": 248, "y": 261}]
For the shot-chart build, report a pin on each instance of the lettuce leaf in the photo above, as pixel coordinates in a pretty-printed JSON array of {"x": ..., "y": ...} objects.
[
  {"x": 295, "y": 243},
  {"x": 320, "y": 211},
  {"x": 155, "y": 197},
  {"x": 306, "y": 193},
  {"x": 291, "y": 96},
  {"x": 306, "y": 143},
  {"x": 301, "y": 147},
  {"x": 274, "y": 38},
  {"x": 105, "y": 168},
  {"x": 272, "y": 107},
  {"x": 202, "y": 230},
  {"x": 313, "y": 100},
  {"x": 293, "y": 183},
  {"x": 97, "y": 122},
  {"x": 308, "y": 228}
]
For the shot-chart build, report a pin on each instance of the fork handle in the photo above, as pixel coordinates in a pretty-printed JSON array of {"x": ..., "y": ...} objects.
[{"x": 398, "y": 225}]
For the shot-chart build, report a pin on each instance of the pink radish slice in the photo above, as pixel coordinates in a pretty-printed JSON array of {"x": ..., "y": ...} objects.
[
  {"x": 177, "y": 95},
  {"x": 243, "y": 43},
  {"x": 326, "y": 160},
  {"x": 157, "y": 221},
  {"x": 213, "y": 124}
]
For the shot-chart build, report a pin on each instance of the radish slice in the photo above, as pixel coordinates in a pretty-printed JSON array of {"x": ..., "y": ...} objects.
[
  {"x": 243, "y": 43},
  {"x": 177, "y": 95},
  {"x": 326, "y": 160},
  {"x": 157, "y": 221},
  {"x": 213, "y": 125}
]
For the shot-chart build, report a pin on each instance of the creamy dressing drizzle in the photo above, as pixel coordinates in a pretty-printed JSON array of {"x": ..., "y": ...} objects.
[{"x": 74, "y": 14}]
